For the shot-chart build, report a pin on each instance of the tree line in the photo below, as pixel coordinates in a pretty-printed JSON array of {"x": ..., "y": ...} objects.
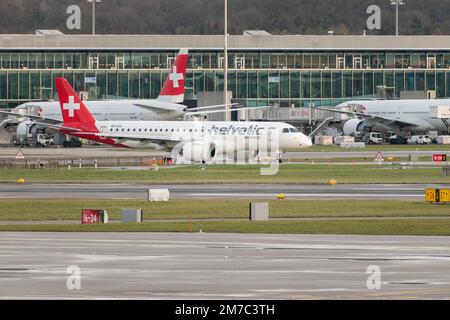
[{"x": 417, "y": 17}]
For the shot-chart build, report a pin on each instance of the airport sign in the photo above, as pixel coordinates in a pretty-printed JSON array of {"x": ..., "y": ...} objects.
[
  {"x": 439, "y": 157},
  {"x": 430, "y": 195},
  {"x": 444, "y": 195},
  {"x": 20, "y": 155},
  {"x": 274, "y": 79},
  {"x": 91, "y": 216},
  {"x": 379, "y": 157},
  {"x": 90, "y": 80},
  {"x": 435, "y": 195}
]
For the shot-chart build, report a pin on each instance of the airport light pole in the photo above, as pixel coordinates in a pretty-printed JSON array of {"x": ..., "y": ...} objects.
[
  {"x": 93, "y": 13},
  {"x": 225, "y": 66},
  {"x": 397, "y": 3}
]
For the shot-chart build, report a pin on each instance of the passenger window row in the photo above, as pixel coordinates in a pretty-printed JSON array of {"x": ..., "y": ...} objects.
[{"x": 156, "y": 130}]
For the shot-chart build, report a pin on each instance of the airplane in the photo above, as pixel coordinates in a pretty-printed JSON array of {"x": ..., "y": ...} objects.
[
  {"x": 196, "y": 141},
  {"x": 31, "y": 117},
  {"x": 390, "y": 115},
  {"x": 165, "y": 107}
]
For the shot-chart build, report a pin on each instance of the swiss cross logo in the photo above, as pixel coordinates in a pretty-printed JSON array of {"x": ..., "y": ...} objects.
[
  {"x": 71, "y": 106},
  {"x": 175, "y": 77}
]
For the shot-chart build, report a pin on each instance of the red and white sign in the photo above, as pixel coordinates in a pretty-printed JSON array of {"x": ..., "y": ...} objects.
[
  {"x": 20, "y": 155},
  {"x": 89, "y": 216},
  {"x": 439, "y": 157},
  {"x": 379, "y": 157}
]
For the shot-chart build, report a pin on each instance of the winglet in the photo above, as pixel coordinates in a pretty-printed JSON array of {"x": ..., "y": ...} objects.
[
  {"x": 173, "y": 89},
  {"x": 74, "y": 112}
]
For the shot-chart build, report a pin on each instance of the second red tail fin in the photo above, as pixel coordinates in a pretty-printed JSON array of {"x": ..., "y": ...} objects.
[
  {"x": 173, "y": 89},
  {"x": 74, "y": 112}
]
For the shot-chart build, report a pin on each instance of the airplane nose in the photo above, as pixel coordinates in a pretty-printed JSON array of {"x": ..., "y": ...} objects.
[{"x": 306, "y": 142}]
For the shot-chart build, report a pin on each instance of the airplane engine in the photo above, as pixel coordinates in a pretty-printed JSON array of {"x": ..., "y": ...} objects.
[
  {"x": 220, "y": 149},
  {"x": 354, "y": 125},
  {"x": 199, "y": 151},
  {"x": 26, "y": 129}
]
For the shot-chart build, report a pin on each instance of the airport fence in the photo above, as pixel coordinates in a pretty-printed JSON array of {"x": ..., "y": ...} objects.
[{"x": 30, "y": 164}]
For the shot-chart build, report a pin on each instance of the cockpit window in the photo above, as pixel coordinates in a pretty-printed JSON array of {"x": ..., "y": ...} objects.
[{"x": 290, "y": 130}]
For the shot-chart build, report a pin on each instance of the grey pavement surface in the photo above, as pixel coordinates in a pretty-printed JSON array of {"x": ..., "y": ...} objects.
[
  {"x": 106, "y": 152},
  {"x": 213, "y": 191},
  {"x": 75, "y": 153},
  {"x": 222, "y": 266},
  {"x": 362, "y": 154}
]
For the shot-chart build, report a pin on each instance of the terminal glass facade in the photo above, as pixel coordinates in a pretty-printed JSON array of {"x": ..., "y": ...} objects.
[{"x": 255, "y": 77}]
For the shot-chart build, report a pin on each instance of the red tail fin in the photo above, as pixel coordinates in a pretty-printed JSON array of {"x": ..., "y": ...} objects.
[
  {"x": 173, "y": 89},
  {"x": 74, "y": 112}
]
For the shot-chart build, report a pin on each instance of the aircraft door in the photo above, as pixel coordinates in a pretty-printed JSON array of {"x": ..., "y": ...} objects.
[
  {"x": 271, "y": 135},
  {"x": 103, "y": 130}
]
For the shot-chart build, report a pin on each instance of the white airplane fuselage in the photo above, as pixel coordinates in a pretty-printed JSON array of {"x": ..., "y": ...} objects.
[
  {"x": 145, "y": 134},
  {"x": 118, "y": 110},
  {"x": 410, "y": 111}
]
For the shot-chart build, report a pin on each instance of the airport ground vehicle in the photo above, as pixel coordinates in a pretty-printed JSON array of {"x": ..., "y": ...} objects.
[
  {"x": 72, "y": 143},
  {"x": 38, "y": 140},
  {"x": 420, "y": 139},
  {"x": 392, "y": 137},
  {"x": 44, "y": 140},
  {"x": 372, "y": 137},
  {"x": 395, "y": 139}
]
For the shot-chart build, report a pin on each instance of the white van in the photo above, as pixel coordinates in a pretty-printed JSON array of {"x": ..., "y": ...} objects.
[{"x": 419, "y": 139}]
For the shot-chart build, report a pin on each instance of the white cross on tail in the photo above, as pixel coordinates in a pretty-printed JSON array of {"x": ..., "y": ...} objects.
[
  {"x": 175, "y": 77},
  {"x": 71, "y": 106}
]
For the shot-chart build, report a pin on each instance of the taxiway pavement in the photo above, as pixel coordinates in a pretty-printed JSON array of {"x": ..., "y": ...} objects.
[
  {"x": 223, "y": 266},
  {"x": 213, "y": 191}
]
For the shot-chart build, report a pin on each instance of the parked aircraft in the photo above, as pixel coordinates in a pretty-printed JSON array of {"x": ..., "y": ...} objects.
[
  {"x": 197, "y": 141},
  {"x": 165, "y": 107},
  {"x": 390, "y": 115}
]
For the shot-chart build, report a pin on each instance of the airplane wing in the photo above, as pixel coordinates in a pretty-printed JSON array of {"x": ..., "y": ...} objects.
[
  {"x": 223, "y": 110},
  {"x": 34, "y": 117},
  {"x": 214, "y": 106},
  {"x": 156, "y": 109},
  {"x": 50, "y": 123},
  {"x": 58, "y": 127},
  {"x": 383, "y": 120}
]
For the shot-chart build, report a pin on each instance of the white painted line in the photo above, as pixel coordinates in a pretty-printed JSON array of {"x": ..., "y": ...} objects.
[{"x": 300, "y": 195}]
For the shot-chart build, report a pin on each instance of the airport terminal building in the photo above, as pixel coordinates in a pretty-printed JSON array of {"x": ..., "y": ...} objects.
[{"x": 286, "y": 70}]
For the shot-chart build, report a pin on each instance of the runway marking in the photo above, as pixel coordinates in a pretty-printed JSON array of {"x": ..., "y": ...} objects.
[
  {"x": 416, "y": 291},
  {"x": 300, "y": 195}
]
